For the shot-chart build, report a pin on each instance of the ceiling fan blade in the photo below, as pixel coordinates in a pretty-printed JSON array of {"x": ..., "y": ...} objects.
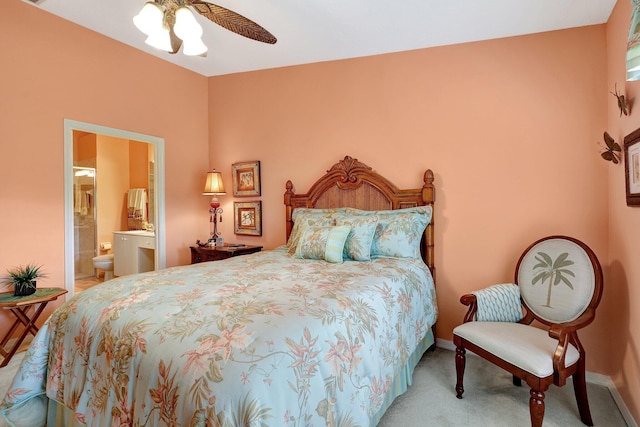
[{"x": 232, "y": 21}]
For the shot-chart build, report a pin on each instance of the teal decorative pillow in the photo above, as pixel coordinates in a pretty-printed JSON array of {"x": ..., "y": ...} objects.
[
  {"x": 325, "y": 243},
  {"x": 399, "y": 232},
  {"x": 304, "y": 217},
  {"x": 363, "y": 229}
]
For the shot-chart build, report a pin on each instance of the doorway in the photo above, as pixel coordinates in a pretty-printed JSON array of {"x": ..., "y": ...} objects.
[{"x": 156, "y": 199}]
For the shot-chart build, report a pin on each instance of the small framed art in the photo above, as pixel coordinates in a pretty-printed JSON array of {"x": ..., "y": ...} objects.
[
  {"x": 632, "y": 167},
  {"x": 247, "y": 218},
  {"x": 246, "y": 179}
]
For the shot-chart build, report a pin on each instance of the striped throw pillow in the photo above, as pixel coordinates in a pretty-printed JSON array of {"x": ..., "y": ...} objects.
[{"x": 325, "y": 243}]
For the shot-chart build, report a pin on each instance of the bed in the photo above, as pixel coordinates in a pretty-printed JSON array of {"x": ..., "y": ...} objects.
[{"x": 323, "y": 331}]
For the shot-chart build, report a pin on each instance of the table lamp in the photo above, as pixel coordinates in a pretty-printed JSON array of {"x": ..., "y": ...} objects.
[{"x": 214, "y": 187}]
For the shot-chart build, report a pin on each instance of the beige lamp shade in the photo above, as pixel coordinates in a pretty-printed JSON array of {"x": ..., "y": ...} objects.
[{"x": 214, "y": 185}]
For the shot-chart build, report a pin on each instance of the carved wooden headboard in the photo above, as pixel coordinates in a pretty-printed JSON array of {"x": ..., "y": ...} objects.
[{"x": 350, "y": 183}]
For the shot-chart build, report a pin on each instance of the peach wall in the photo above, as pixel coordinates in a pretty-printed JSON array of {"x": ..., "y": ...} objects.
[
  {"x": 112, "y": 183},
  {"x": 509, "y": 127},
  {"x": 139, "y": 164},
  {"x": 624, "y": 232},
  {"x": 60, "y": 70},
  {"x": 84, "y": 149}
]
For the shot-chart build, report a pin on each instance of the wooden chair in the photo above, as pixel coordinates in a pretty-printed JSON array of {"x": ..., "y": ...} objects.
[{"x": 559, "y": 281}]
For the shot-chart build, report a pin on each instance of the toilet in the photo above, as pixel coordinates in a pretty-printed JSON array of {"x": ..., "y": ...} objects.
[{"x": 104, "y": 262}]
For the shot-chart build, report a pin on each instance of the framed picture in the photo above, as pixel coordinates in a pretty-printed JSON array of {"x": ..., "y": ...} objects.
[
  {"x": 247, "y": 218},
  {"x": 246, "y": 179},
  {"x": 632, "y": 167}
]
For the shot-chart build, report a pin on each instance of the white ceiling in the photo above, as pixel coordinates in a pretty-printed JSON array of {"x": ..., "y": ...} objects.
[{"x": 322, "y": 30}]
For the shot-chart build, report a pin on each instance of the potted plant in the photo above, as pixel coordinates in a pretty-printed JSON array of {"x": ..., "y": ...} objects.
[{"x": 23, "y": 279}]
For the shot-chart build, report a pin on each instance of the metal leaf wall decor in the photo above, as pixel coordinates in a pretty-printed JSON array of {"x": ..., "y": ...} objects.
[
  {"x": 623, "y": 103},
  {"x": 611, "y": 152}
]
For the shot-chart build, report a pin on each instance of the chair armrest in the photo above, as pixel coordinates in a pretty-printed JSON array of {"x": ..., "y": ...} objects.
[
  {"x": 583, "y": 320},
  {"x": 559, "y": 366},
  {"x": 565, "y": 333},
  {"x": 471, "y": 301}
]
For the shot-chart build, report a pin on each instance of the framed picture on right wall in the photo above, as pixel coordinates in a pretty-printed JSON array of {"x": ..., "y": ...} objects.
[{"x": 632, "y": 167}]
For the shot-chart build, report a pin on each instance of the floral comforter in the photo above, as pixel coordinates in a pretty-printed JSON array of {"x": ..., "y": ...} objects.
[{"x": 258, "y": 340}]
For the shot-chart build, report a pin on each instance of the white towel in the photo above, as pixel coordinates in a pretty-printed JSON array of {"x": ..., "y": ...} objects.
[
  {"x": 85, "y": 203},
  {"x": 77, "y": 206},
  {"x": 137, "y": 204},
  {"x": 82, "y": 202}
]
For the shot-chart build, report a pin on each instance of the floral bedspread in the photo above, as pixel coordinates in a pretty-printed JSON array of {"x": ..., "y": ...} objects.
[{"x": 257, "y": 340}]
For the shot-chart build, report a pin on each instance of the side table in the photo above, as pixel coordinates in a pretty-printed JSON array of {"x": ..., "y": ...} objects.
[
  {"x": 215, "y": 253},
  {"x": 21, "y": 309}
]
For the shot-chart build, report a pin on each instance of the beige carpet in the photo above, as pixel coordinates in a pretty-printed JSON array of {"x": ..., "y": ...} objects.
[{"x": 490, "y": 399}]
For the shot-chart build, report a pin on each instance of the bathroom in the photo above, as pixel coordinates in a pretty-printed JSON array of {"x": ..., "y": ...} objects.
[{"x": 105, "y": 169}]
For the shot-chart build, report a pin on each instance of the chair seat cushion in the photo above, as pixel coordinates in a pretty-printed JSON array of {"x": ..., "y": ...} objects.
[{"x": 529, "y": 348}]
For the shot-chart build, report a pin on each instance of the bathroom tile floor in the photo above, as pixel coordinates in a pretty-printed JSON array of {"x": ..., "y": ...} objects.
[{"x": 87, "y": 282}]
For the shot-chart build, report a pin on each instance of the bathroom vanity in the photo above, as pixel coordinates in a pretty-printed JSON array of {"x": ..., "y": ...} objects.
[{"x": 134, "y": 252}]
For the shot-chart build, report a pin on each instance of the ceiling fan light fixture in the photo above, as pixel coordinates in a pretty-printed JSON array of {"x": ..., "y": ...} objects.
[
  {"x": 169, "y": 24},
  {"x": 194, "y": 47},
  {"x": 149, "y": 19},
  {"x": 186, "y": 26}
]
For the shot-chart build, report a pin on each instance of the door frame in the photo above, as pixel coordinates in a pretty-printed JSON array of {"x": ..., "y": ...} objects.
[{"x": 159, "y": 220}]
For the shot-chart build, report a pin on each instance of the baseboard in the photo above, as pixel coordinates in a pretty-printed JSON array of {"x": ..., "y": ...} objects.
[
  {"x": 605, "y": 381},
  {"x": 592, "y": 377},
  {"x": 445, "y": 344}
]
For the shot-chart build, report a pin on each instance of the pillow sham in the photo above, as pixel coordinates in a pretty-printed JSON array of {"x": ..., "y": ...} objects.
[
  {"x": 399, "y": 232},
  {"x": 363, "y": 229},
  {"x": 415, "y": 209},
  {"x": 304, "y": 217},
  {"x": 325, "y": 243}
]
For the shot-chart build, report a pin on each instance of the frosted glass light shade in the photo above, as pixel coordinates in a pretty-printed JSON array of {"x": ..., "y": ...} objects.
[
  {"x": 160, "y": 39},
  {"x": 186, "y": 26},
  {"x": 194, "y": 47},
  {"x": 149, "y": 19}
]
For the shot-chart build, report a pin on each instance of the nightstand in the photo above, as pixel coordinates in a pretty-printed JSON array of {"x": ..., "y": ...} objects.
[{"x": 215, "y": 253}]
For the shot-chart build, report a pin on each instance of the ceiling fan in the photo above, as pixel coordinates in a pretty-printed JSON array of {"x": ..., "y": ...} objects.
[{"x": 169, "y": 23}]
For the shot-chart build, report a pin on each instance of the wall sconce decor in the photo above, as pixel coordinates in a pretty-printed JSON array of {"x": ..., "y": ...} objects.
[{"x": 214, "y": 187}]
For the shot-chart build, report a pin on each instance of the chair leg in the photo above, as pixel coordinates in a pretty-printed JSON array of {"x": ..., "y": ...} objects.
[
  {"x": 580, "y": 389},
  {"x": 517, "y": 381},
  {"x": 460, "y": 364},
  {"x": 536, "y": 407}
]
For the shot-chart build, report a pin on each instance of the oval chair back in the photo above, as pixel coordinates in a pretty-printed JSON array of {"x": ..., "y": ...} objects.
[{"x": 560, "y": 280}]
